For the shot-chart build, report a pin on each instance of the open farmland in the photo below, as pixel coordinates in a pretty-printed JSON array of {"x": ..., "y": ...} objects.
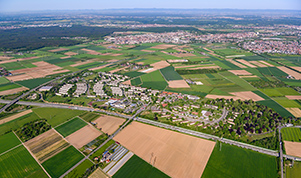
[
  {"x": 80, "y": 169},
  {"x": 46, "y": 145},
  {"x": 169, "y": 73},
  {"x": 176, "y": 154},
  {"x": 3, "y": 80},
  {"x": 98, "y": 174},
  {"x": 294, "y": 111},
  {"x": 8, "y": 86},
  {"x": 231, "y": 161},
  {"x": 13, "y": 91},
  {"x": 32, "y": 83},
  {"x": 8, "y": 141},
  {"x": 15, "y": 116},
  {"x": 178, "y": 84},
  {"x": 89, "y": 116},
  {"x": 278, "y": 108},
  {"x": 108, "y": 124},
  {"x": 56, "y": 116},
  {"x": 63, "y": 161},
  {"x": 292, "y": 148},
  {"x": 19, "y": 163},
  {"x": 17, "y": 123},
  {"x": 136, "y": 167},
  {"x": 83, "y": 136},
  {"x": 71, "y": 126},
  {"x": 293, "y": 172},
  {"x": 154, "y": 80},
  {"x": 291, "y": 134}
]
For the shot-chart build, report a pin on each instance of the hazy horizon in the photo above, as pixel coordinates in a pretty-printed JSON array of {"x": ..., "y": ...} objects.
[{"x": 34, "y": 5}]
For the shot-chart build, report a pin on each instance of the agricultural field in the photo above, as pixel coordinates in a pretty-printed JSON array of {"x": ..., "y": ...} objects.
[
  {"x": 89, "y": 116},
  {"x": 18, "y": 122},
  {"x": 102, "y": 149},
  {"x": 278, "y": 108},
  {"x": 56, "y": 116},
  {"x": 154, "y": 80},
  {"x": 175, "y": 154},
  {"x": 46, "y": 145},
  {"x": 293, "y": 172},
  {"x": 32, "y": 83},
  {"x": 108, "y": 124},
  {"x": 8, "y": 86},
  {"x": 169, "y": 73},
  {"x": 8, "y": 141},
  {"x": 3, "y": 80},
  {"x": 19, "y": 163},
  {"x": 291, "y": 134},
  {"x": 231, "y": 161},
  {"x": 98, "y": 174},
  {"x": 63, "y": 161},
  {"x": 80, "y": 169},
  {"x": 136, "y": 167},
  {"x": 71, "y": 126},
  {"x": 133, "y": 74},
  {"x": 83, "y": 136},
  {"x": 136, "y": 81}
]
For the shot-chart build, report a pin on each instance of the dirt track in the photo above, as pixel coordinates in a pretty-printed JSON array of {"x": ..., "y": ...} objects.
[{"x": 178, "y": 155}]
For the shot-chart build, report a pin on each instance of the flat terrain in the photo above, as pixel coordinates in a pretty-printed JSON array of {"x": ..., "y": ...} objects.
[
  {"x": 291, "y": 134},
  {"x": 13, "y": 117},
  {"x": 8, "y": 141},
  {"x": 13, "y": 91},
  {"x": 56, "y": 116},
  {"x": 244, "y": 95},
  {"x": 46, "y": 145},
  {"x": 62, "y": 162},
  {"x": 175, "y": 154},
  {"x": 83, "y": 136},
  {"x": 178, "y": 84},
  {"x": 71, "y": 126},
  {"x": 293, "y": 148},
  {"x": 233, "y": 162},
  {"x": 295, "y": 171},
  {"x": 108, "y": 124},
  {"x": 80, "y": 169},
  {"x": 136, "y": 168},
  {"x": 98, "y": 174},
  {"x": 19, "y": 163},
  {"x": 295, "y": 111}
]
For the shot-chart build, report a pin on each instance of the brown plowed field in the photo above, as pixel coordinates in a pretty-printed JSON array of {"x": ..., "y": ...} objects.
[
  {"x": 160, "y": 64},
  {"x": 70, "y": 53},
  {"x": 108, "y": 124},
  {"x": 46, "y": 145},
  {"x": 58, "y": 49},
  {"x": 21, "y": 59},
  {"x": 43, "y": 69},
  {"x": 163, "y": 46},
  {"x": 178, "y": 84},
  {"x": 295, "y": 111},
  {"x": 266, "y": 63},
  {"x": 83, "y": 136},
  {"x": 293, "y": 148},
  {"x": 258, "y": 63},
  {"x": 240, "y": 72},
  {"x": 236, "y": 63},
  {"x": 296, "y": 75},
  {"x": 13, "y": 117},
  {"x": 293, "y": 97},
  {"x": 178, "y": 155},
  {"x": 13, "y": 91},
  {"x": 244, "y": 95},
  {"x": 246, "y": 63}
]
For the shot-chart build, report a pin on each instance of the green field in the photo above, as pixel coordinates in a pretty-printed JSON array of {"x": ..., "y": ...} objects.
[
  {"x": 8, "y": 141},
  {"x": 272, "y": 71},
  {"x": 17, "y": 123},
  {"x": 231, "y": 161},
  {"x": 271, "y": 92},
  {"x": 133, "y": 74},
  {"x": 8, "y": 86},
  {"x": 89, "y": 116},
  {"x": 71, "y": 126},
  {"x": 12, "y": 66},
  {"x": 80, "y": 169},
  {"x": 62, "y": 162},
  {"x": 154, "y": 80},
  {"x": 169, "y": 73},
  {"x": 56, "y": 116},
  {"x": 279, "y": 109},
  {"x": 32, "y": 83},
  {"x": 231, "y": 52},
  {"x": 291, "y": 134},
  {"x": 19, "y": 163},
  {"x": 262, "y": 95},
  {"x": 136, "y": 81},
  {"x": 295, "y": 171},
  {"x": 283, "y": 101},
  {"x": 287, "y": 91},
  {"x": 3, "y": 80},
  {"x": 136, "y": 168}
]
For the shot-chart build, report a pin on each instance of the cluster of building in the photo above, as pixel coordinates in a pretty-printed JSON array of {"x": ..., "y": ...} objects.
[
  {"x": 81, "y": 88},
  {"x": 180, "y": 37},
  {"x": 64, "y": 89},
  {"x": 273, "y": 46}
]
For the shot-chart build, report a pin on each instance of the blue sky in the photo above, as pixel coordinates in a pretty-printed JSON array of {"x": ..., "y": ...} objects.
[{"x": 29, "y": 5}]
